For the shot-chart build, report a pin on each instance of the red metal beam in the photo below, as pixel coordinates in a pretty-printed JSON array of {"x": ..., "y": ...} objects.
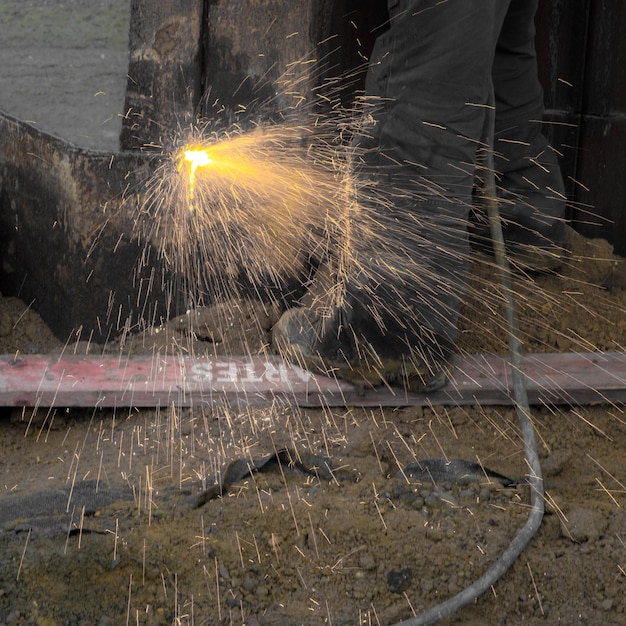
[{"x": 144, "y": 381}]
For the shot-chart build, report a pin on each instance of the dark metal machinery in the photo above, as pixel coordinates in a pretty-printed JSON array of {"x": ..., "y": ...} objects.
[{"x": 582, "y": 52}]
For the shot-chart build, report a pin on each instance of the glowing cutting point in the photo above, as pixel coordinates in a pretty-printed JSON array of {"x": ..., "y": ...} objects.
[{"x": 195, "y": 159}]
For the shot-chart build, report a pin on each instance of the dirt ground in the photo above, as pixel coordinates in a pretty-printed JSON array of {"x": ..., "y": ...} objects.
[{"x": 99, "y": 515}]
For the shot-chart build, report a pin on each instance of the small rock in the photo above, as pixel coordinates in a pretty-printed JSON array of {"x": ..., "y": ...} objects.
[
  {"x": 584, "y": 524},
  {"x": 484, "y": 495},
  {"x": 399, "y": 580},
  {"x": 13, "y": 617},
  {"x": 553, "y": 465},
  {"x": 447, "y": 497},
  {"x": 555, "y": 504},
  {"x": 367, "y": 561},
  {"x": 458, "y": 416}
]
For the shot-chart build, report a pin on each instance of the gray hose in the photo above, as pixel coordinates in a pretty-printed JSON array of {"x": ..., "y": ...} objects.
[{"x": 520, "y": 397}]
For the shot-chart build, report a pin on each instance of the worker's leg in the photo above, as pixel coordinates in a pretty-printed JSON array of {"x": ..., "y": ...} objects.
[
  {"x": 430, "y": 76},
  {"x": 432, "y": 73},
  {"x": 532, "y": 200}
]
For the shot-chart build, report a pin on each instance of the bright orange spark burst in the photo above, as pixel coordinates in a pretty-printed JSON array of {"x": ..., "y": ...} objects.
[
  {"x": 195, "y": 158},
  {"x": 257, "y": 206}
]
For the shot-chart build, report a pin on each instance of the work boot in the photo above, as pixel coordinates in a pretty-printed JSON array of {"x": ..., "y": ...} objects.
[
  {"x": 530, "y": 185},
  {"x": 531, "y": 203},
  {"x": 390, "y": 319},
  {"x": 528, "y": 252},
  {"x": 395, "y": 373},
  {"x": 332, "y": 344}
]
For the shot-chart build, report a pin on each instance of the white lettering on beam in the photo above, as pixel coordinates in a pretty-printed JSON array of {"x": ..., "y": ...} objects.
[{"x": 242, "y": 373}]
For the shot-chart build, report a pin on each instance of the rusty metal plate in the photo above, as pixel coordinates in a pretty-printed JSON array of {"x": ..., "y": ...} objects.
[{"x": 151, "y": 381}]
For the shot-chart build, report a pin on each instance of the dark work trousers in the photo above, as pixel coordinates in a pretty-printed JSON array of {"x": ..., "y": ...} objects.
[{"x": 431, "y": 77}]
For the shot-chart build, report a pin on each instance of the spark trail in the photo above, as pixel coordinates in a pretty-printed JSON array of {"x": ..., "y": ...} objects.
[{"x": 255, "y": 204}]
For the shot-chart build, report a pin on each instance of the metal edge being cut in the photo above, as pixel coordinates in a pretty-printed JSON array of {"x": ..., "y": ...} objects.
[{"x": 159, "y": 381}]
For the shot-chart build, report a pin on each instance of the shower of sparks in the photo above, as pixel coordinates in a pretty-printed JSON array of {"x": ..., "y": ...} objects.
[
  {"x": 256, "y": 205},
  {"x": 253, "y": 211}
]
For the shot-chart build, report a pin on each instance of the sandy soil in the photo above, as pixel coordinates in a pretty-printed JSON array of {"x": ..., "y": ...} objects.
[{"x": 99, "y": 521}]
